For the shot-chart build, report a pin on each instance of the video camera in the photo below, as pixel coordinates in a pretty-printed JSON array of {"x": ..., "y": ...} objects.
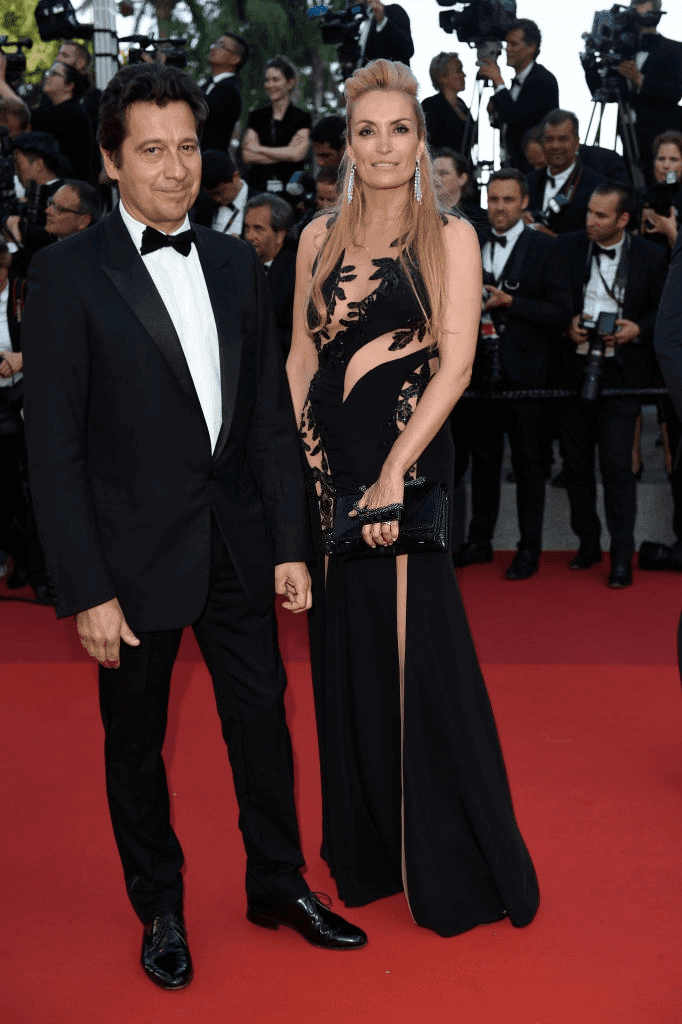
[
  {"x": 16, "y": 60},
  {"x": 147, "y": 48},
  {"x": 56, "y": 19},
  {"x": 594, "y": 367},
  {"x": 481, "y": 23},
  {"x": 662, "y": 195},
  {"x": 342, "y": 30},
  {"x": 615, "y": 35}
]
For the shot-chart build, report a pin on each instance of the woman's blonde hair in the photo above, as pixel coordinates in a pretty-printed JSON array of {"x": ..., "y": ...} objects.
[{"x": 421, "y": 231}]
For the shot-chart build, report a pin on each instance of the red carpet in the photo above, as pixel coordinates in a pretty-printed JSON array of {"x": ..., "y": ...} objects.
[{"x": 587, "y": 698}]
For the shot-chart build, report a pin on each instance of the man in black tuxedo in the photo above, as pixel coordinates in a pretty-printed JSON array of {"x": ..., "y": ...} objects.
[
  {"x": 608, "y": 271},
  {"x": 651, "y": 82},
  {"x": 528, "y": 303},
  {"x": 226, "y": 58},
  {"x": 167, "y": 480},
  {"x": 563, "y": 188},
  {"x": 386, "y": 33},
  {"x": 268, "y": 224},
  {"x": 532, "y": 94},
  {"x": 221, "y": 203}
]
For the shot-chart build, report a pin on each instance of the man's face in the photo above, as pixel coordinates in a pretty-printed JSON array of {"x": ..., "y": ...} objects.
[
  {"x": 70, "y": 54},
  {"x": 225, "y": 192},
  {"x": 62, "y": 217},
  {"x": 519, "y": 52},
  {"x": 160, "y": 164},
  {"x": 535, "y": 155},
  {"x": 12, "y": 123},
  {"x": 223, "y": 56},
  {"x": 26, "y": 167},
  {"x": 506, "y": 204},
  {"x": 560, "y": 144},
  {"x": 259, "y": 231},
  {"x": 604, "y": 224},
  {"x": 645, "y": 8},
  {"x": 326, "y": 195},
  {"x": 326, "y": 155}
]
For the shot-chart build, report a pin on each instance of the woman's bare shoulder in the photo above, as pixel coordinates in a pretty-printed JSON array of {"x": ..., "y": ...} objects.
[
  {"x": 313, "y": 235},
  {"x": 458, "y": 232}
]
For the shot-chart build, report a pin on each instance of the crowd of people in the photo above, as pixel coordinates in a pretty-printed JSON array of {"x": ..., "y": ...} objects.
[{"x": 267, "y": 173}]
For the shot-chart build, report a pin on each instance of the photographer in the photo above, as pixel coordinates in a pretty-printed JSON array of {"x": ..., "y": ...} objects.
[
  {"x": 328, "y": 138},
  {"x": 65, "y": 118},
  {"x": 527, "y": 302},
  {"x": 610, "y": 272},
  {"x": 223, "y": 197},
  {"x": 39, "y": 167},
  {"x": 663, "y": 202},
  {"x": 268, "y": 224},
  {"x": 73, "y": 208},
  {"x": 386, "y": 33},
  {"x": 651, "y": 82},
  {"x": 532, "y": 94},
  {"x": 222, "y": 90},
  {"x": 560, "y": 192},
  {"x": 448, "y": 120}
]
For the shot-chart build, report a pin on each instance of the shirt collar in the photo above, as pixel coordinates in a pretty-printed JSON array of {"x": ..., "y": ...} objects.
[
  {"x": 136, "y": 228},
  {"x": 240, "y": 199},
  {"x": 618, "y": 247},
  {"x": 562, "y": 178},
  {"x": 521, "y": 77},
  {"x": 221, "y": 76},
  {"x": 513, "y": 234}
]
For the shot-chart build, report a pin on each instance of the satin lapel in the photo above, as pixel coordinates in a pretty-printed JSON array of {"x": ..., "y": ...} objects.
[
  {"x": 216, "y": 266},
  {"x": 127, "y": 272}
]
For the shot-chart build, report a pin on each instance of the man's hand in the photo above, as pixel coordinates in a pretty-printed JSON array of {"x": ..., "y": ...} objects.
[
  {"x": 491, "y": 69},
  {"x": 10, "y": 363},
  {"x": 101, "y": 630},
  {"x": 377, "y": 9},
  {"x": 497, "y": 298},
  {"x": 628, "y": 69},
  {"x": 293, "y": 579},
  {"x": 627, "y": 331},
  {"x": 577, "y": 333}
]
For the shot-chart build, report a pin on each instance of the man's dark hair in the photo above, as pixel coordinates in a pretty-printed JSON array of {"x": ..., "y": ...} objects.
[
  {"x": 241, "y": 46},
  {"x": 331, "y": 129},
  {"x": 627, "y": 197},
  {"x": 15, "y": 108},
  {"x": 283, "y": 64},
  {"x": 328, "y": 176},
  {"x": 532, "y": 135},
  {"x": 88, "y": 198},
  {"x": 558, "y": 116},
  {"x": 145, "y": 83},
  {"x": 83, "y": 51},
  {"x": 531, "y": 32},
  {"x": 43, "y": 145},
  {"x": 80, "y": 82},
  {"x": 510, "y": 174},
  {"x": 281, "y": 214},
  {"x": 216, "y": 167}
]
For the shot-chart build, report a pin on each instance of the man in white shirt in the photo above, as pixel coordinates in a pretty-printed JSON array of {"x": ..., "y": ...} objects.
[
  {"x": 222, "y": 201},
  {"x": 386, "y": 33},
  {"x": 226, "y": 58}
]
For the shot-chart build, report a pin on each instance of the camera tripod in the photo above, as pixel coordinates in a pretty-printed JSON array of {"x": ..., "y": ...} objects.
[
  {"x": 483, "y": 165},
  {"x": 610, "y": 92}
]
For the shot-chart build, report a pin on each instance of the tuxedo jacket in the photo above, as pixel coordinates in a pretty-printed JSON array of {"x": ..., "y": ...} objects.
[
  {"x": 540, "y": 310},
  {"x": 205, "y": 208},
  {"x": 281, "y": 276},
  {"x": 605, "y": 162},
  {"x": 572, "y": 217},
  {"x": 224, "y": 108},
  {"x": 124, "y": 481},
  {"x": 668, "y": 330},
  {"x": 633, "y": 365},
  {"x": 539, "y": 94},
  {"x": 394, "y": 42}
]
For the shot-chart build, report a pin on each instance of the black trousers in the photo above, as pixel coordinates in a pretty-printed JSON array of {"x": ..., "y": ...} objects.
[
  {"x": 610, "y": 424},
  {"x": 482, "y": 424},
  {"x": 241, "y": 652}
]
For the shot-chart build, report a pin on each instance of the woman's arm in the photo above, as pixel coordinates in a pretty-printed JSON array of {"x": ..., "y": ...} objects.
[
  {"x": 251, "y": 149},
  {"x": 302, "y": 362},
  {"x": 294, "y": 152}
]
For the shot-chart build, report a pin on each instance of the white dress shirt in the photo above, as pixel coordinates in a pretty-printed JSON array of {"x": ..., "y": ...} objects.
[
  {"x": 364, "y": 31},
  {"x": 559, "y": 181},
  {"x": 597, "y": 299},
  {"x": 519, "y": 79},
  {"x": 216, "y": 79},
  {"x": 223, "y": 215},
  {"x": 180, "y": 282},
  {"x": 5, "y": 341},
  {"x": 495, "y": 262}
]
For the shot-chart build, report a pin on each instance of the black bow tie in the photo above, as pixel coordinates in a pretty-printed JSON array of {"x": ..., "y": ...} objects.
[
  {"x": 499, "y": 240},
  {"x": 551, "y": 180},
  {"x": 153, "y": 240},
  {"x": 609, "y": 253}
]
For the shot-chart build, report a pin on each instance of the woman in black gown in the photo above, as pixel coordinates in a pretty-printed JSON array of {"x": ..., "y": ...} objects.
[{"x": 415, "y": 792}]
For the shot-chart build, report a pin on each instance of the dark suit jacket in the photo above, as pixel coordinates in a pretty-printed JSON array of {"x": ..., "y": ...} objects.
[
  {"x": 394, "y": 42},
  {"x": 668, "y": 331},
  {"x": 224, "y": 107},
  {"x": 205, "y": 208},
  {"x": 572, "y": 216},
  {"x": 123, "y": 479},
  {"x": 541, "y": 308},
  {"x": 634, "y": 363},
  {"x": 539, "y": 94},
  {"x": 605, "y": 162},
  {"x": 281, "y": 276}
]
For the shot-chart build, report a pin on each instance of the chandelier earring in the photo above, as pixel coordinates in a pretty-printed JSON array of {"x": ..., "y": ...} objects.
[
  {"x": 418, "y": 183},
  {"x": 351, "y": 183}
]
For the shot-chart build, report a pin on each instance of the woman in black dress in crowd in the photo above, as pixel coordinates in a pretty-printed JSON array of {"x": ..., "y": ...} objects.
[
  {"x": 448, "y": 121},
  {"x": 415, "y": 793},
  {"x": 277, "y": 137}
]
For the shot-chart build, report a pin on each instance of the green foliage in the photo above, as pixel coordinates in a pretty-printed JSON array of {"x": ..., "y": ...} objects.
[{"x": 16, "y": 20}]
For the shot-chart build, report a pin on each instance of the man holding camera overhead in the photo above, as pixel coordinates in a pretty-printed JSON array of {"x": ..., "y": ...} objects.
[
  {"x": 386, "y": 33},
  {"x": 616, "y": 280}
]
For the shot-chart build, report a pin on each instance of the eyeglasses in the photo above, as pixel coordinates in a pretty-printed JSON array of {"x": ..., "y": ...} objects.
[
  {"x": 222, "y": 46},
  {"x": 53, "y": 73},
  {"x": 62, "y": 209}
]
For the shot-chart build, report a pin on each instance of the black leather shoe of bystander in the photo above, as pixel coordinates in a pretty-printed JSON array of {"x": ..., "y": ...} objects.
[
  {"x": 311, "y": 919},
  {"x": 165, "y": 954}
]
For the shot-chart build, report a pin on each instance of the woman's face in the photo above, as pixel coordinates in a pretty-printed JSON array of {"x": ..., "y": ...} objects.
[
  {"x": 450, "y": 180},
  {"x": 668, "y": 158},
  {"x": 276, "y": 85},
  {"x": 455, "y": 77},
  {"x": 385, "y": 144}
]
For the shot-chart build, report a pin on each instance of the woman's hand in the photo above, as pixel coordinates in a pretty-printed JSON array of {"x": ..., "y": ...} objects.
[
  {"x": 656, "y": 223},
  {"x": 387, "y": 490},
  {"x": 10, "y": 363}
]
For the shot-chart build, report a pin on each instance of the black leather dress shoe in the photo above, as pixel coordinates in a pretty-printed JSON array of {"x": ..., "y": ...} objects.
[
  {"x": 473, "y": 553},
  {"x": 311, "y": 919},
  {"x": 620, "y": 575},
  {"x": 587, "y": 554},
  {"x": 165, "y": 953},
  {"x": 524, "y": 566}
]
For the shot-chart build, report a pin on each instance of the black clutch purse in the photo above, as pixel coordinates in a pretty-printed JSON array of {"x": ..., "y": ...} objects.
[{"x": 423, "y": 521}]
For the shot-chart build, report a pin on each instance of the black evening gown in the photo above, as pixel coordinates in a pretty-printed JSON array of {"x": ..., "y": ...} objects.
[{"x": 415, "y": 792}]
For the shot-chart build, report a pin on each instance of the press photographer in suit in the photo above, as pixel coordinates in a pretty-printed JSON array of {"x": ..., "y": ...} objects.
[
  {"x": 527, "y": 303},
  {"x": 613, "y": 272},
  {"x": 532, "y": 94},
  {"x": 223, "y": 197},
  {"x": 268, "y": 223},
  {"x": 386, "y": 33},
  {"x": 226, "y": 58},
  {"x": 168, "y": 488}
]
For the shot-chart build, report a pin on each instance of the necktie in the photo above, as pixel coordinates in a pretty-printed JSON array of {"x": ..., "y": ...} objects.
[
  {"x": 609, "y": 253},
  {"x": 499, "y": 240},
  {"x": 233, "y": 208},
  {"x": 153, "y": 240}
]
